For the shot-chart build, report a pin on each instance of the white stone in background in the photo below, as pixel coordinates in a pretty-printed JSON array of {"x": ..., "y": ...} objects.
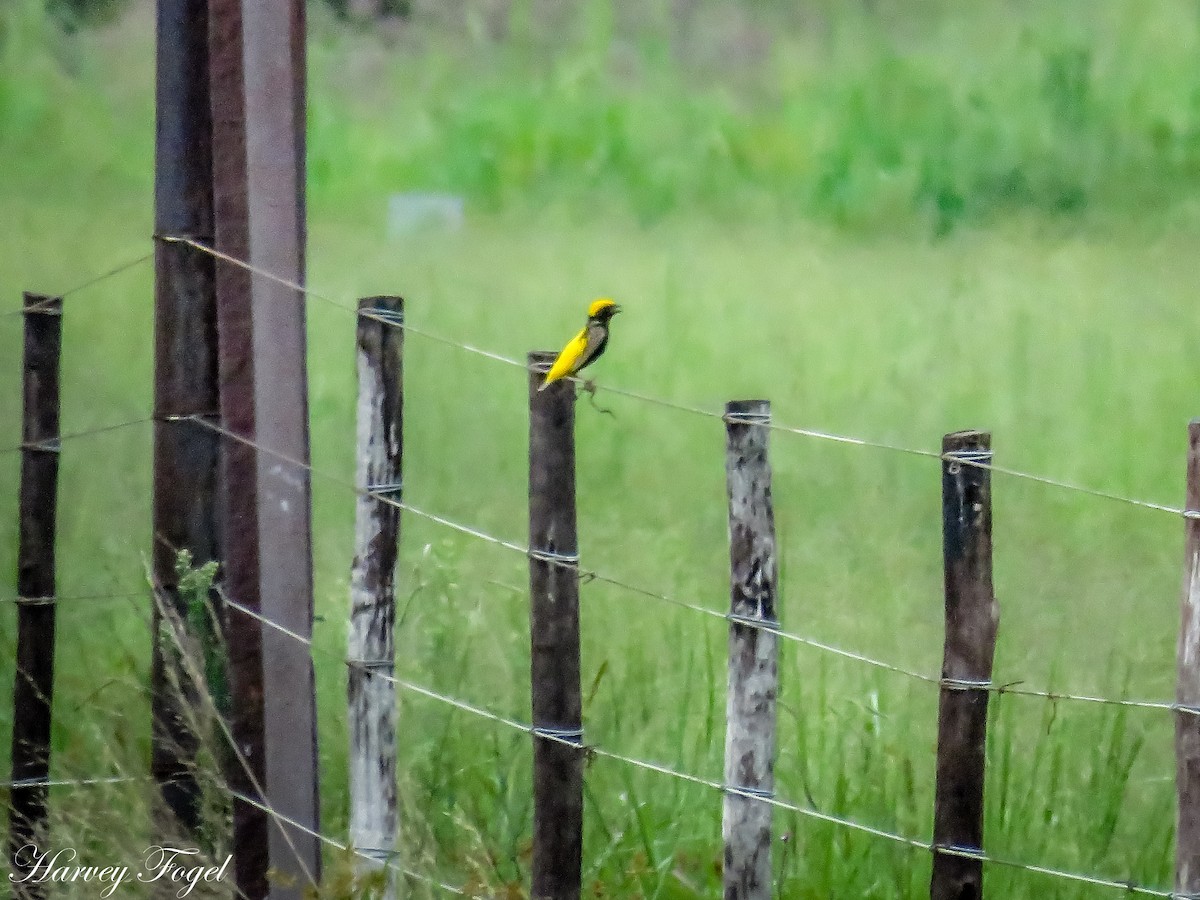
[{"x": 423, "y": 210}]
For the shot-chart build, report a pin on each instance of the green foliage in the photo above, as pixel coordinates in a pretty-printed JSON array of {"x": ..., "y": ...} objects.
[
  {"x": 868, "y": 119},
  {"x": 73, "y": 14},
  {"x": 961, "y": 114},
  {"x": 26, "y": 73},
  {"x": 199, "y": 598},
  {"x": 346, "y": 880}
]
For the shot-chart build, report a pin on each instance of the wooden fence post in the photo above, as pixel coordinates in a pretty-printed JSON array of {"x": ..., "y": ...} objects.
[
  {"x": 753, "y": 653},
  {"x": 186, "y": 453},
  {"x": 970, "y": 644},
  {"x": 33, "y": 685},
  {"x": 1187, "y": 723},
  {"x": 554, "y": 637},
  {"x": 372, "y": 701}
]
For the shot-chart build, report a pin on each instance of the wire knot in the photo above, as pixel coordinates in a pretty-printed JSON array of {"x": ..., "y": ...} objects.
[
  {"x": 756, "y": 792},
  {"x": 386, "y": 316},
  {"x": 36, "y": 601},
  {"x": 754, "y": 621},
  {"x": 746, "y": 418},
  {"x": 553, "y": 556},
  {"x": 572, "y": 736},
  {"x": 386, "y": 488}
]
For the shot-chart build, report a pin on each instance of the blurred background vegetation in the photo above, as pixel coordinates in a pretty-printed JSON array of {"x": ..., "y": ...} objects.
[{"x": 866, "y": 113}]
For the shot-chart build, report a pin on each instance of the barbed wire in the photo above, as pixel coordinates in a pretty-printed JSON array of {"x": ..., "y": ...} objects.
[
  {"x": 94, "y": 280},
  {"x": 55, "y": 445},
  {"x": 592, "y": 751},
  {"x": 684, "y": 407},
  {"x": 1011, "y": 687}
]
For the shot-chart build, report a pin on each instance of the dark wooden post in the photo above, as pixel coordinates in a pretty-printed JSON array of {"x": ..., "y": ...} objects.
[
  {"x": 970, "y": 644},
  {"x": 753, "y": 661},
  {"x": 1187, "y": 722},
  {"x": 33, "y": 686},
  {"x": 257, "y": 60},
  {"x": 185, "y": 383},
  {"x": 554, "y": 638},
  {"x": 372, "y": 701}
]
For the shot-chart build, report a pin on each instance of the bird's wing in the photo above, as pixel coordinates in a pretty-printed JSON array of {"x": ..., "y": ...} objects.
[
  {"x": 568, "y": 360},
  {"x": 597, "y": 340}
]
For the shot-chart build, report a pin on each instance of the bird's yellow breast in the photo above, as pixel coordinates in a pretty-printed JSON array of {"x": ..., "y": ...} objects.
[{"x": 568, "y": 359}]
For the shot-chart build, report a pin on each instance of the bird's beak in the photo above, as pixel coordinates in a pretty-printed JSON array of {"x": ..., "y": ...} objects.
[{"x": 616, "y": 308}]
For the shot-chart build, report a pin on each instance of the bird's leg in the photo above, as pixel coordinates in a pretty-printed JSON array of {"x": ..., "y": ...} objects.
[{"x": 589, "y": 388}]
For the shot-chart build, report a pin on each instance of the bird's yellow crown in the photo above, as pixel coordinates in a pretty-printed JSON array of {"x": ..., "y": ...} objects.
[{"x": 599, "y": 304}]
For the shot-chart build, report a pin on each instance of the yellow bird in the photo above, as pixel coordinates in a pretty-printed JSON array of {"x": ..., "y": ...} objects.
[{"x": 585, "y": 348}]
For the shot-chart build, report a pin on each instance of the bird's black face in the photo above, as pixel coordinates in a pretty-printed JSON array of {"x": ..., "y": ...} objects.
[{"x": 607, "y": 313}]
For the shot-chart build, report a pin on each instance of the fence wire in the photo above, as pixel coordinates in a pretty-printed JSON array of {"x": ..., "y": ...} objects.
[
  {"x": 623, "y": 392},
  {"x": 591, "y": 574},
  {"x": 683, "y": 407},
  {"x": 82, "y": 286},
  {"x": 200, "y": 683},
  {"x": 593, "y": 750},
  {"x": 55, "y": 446},
  {"x": 338, "y": 845},
  {"x": 972, "y": 853},
  {"x": 71, "y": 782},
  {"x": 72, "y": 598}
]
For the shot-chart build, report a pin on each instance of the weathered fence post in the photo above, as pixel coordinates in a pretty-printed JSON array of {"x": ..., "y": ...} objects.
[
  {"x": 33, "y": 685},
  {"x": 1187, "y": 721},
  {"x": 257, "y": 84},
  {"x": 554, "y": 638},
  {"x": 753, "y": 660},
  {"x": 185, "y": 386},
  {"x": 372, "y": 701},
  {"x": 970, "y": 644}
]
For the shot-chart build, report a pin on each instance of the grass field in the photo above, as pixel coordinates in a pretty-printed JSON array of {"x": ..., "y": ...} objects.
[{"x": 1069, "y": 331}]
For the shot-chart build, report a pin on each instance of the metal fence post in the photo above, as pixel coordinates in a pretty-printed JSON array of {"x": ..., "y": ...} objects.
[{"x": 257, "y": 75}]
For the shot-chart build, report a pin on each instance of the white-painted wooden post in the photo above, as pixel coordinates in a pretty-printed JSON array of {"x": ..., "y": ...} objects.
[
  {"x": 372, "y": 700},
  {"x": 1187, "y": 722},
  {"x": 753, "y": 666}
]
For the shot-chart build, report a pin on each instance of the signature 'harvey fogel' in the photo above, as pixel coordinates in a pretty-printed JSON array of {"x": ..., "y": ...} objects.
[{"x": 164, "y": 864}]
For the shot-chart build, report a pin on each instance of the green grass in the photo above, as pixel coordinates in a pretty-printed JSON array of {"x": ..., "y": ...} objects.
[
  {"x": 1069, "y": 333},
  {"x": 932, "y": 111}
]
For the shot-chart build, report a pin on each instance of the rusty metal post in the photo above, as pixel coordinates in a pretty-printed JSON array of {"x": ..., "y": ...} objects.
[
  {"x": 554, "y": 638},
  {"x": 185, "y": 381},
  {"x": 970, "y": 644},
  {"x": 257, "y": 59},
  {"x": 1187, "y": 721},
  {"x": 33, "y": 684},
  {"x": 753, "y": 653},
  {"x": 371, "y": 716}
]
